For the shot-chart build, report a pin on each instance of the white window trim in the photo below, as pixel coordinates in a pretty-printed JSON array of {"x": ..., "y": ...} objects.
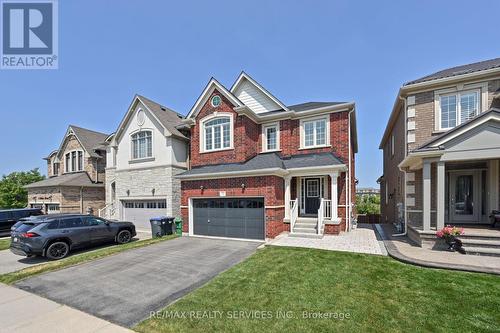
[
  {"x": 132, "y": 146},
  {"x": 480, "y": 88},
  {"x": 303, "y": 137},
  {"x": 264, "y": 137},
  {"x": 68, "y": 168},
  {"x": 202, "y": 131}
]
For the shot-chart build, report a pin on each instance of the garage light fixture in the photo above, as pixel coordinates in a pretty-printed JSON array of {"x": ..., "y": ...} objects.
[
  {"x": 128, "y": 192},
  {"x": 202, "y": 187},
  {"x": 243, "y": 185},
  {"x": 153, "y": 192}
]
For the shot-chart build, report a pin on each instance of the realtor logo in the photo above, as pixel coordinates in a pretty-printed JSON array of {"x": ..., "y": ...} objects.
[{"x": 29, "y": 34}]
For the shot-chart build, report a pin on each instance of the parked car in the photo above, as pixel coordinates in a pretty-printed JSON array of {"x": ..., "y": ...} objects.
[
  {"x": 54, "y": 236},
  {"x": 8, "y": 217}
]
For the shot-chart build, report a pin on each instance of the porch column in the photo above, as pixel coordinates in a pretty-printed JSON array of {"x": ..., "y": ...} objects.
[
  {"x": 287, "y": 197},
  {"x": 493, "y": 185},
  {"x": 426, "y": 196},
  {"x": 440, "y": 195},
  {"x": 334, "y": 203}
]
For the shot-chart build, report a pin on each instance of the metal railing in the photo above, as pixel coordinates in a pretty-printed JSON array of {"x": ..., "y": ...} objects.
[
  {"x": 294, "y": 213},
  {"x": 107, "y": 211}
]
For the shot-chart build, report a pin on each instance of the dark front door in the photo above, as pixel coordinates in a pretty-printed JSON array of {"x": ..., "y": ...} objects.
[
  {"x": 312, "y": 195},
  {"x": 229, "y": 217}
]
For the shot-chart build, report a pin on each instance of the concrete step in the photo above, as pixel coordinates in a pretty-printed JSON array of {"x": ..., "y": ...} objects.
[
  {"x": 305, "y": 230},
  {"x": 304, "y": 235},
  {"x": 481, "y": 236},
  {"x": 305, "y": 224},
  {"x": 482, "y": 251},
  {"x": 484, "y": 243}
]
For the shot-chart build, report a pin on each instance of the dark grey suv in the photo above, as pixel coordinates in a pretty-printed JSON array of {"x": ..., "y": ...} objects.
[{"x": 54, "y": 236}]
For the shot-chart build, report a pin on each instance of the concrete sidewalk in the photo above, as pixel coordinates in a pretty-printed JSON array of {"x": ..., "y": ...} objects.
[{"x": 21, "y": 311}]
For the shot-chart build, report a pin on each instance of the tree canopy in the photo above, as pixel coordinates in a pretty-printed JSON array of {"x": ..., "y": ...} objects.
[
  {"x": 12, "y": 193},
  {"x": 368, "y": 204}
]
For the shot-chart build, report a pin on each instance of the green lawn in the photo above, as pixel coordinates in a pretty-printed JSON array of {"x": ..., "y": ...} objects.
[
  {"x": 377, "y": 293},
  {"x": 77, "y": 258},
  {"x": 4, "y": 243}
]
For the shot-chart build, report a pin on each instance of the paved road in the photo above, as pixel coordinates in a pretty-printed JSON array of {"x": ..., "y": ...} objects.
[
  {"x": 10, "y": 262},
  {"x": 124, "y": 288}
]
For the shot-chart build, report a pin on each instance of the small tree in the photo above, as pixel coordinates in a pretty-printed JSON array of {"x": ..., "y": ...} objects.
[
  {"x": 12, "y": 193},
  {"x": 368, "y": 204}
]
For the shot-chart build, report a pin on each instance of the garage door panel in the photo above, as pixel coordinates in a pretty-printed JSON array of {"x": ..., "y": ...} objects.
[
  {"x": 140, "y": 212},
  {"x": 229, "y": 217}
]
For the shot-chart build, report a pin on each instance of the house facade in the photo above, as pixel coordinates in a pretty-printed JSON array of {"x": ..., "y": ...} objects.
[
  {"x": 259, "y": 167},
  {"x": 76, "y": 175},
  {"x": 147, "y": 150},
  {"x": 441, "y": 151}
]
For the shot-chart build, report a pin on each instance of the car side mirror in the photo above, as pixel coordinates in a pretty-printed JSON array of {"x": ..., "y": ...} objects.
[{"x": 106, "y": 222}]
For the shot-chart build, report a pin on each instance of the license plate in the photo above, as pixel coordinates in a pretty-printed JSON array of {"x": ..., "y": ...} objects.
[{"x": 15, "y": 239}]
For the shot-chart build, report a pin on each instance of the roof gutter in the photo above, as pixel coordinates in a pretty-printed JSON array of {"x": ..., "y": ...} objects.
[{"x": 231, "y": 174}]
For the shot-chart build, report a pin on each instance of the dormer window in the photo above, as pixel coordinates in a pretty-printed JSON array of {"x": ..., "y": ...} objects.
[
  {"x": 55, "y": 169},
  {"x": 142, "y": 145},
  {"x": 73, "y": 161},
  {"x": 217, "y": 133}
]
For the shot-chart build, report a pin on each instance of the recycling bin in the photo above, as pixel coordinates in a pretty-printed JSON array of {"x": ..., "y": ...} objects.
[
  {"x": 156, "y": 226},
  {"x": 178, "y": 226}
]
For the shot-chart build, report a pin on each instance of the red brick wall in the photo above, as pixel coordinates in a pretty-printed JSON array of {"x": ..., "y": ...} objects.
[
  {"x": 269, "y": 187},
  {"x": 246, "y": 137}
]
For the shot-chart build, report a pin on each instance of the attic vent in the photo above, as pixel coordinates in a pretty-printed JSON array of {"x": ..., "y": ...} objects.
[{"x": 163, "y": 108}]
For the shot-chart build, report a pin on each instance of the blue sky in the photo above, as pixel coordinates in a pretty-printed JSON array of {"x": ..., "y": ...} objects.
[{"x": 301, "y": 51}]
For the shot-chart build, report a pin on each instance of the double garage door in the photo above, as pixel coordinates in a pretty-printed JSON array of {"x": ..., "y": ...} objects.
[
  {"x": 140, "y": 212},
  {"x": 229, "y": 217}
]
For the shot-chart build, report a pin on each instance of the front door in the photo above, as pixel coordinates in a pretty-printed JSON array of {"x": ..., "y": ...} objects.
[
  {"x": 312, "y": 193},
  {"x": 464, "y": 197}
]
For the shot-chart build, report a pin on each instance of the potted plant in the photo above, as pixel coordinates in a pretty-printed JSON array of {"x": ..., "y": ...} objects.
[{"x": 449, "y": 234}]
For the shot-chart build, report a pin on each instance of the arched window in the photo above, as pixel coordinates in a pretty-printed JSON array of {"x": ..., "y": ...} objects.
[
  {"x": 142, "y": 145},
  {"x": 217, "y": 133}
]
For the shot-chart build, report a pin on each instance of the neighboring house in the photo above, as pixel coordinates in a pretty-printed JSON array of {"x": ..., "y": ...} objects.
[
  {"x": 441, "y": 150},
  {"x": 367, "y": 191},
  {"x": 259, "y": 167},
  {"x": 144, "y": 154},
  {"x": 76, "y": 175}
]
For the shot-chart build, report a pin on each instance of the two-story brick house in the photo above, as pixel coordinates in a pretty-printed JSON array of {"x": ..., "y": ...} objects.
[
  {"x": 441, "y": 151},
  {"x": 76, "y": 175},
  {"x": 259, "y": 167}
]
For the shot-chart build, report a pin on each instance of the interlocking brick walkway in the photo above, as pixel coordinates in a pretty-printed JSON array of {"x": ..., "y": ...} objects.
[{"x": 361, "y": 240}]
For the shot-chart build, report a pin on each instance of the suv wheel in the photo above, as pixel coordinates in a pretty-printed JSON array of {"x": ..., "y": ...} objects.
[
  {"x": 123, "y": 237},
  {"x": 57, "y": 250}
]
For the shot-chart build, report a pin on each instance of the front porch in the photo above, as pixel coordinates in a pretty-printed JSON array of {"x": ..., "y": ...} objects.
[{"x": 312, "y": 204}]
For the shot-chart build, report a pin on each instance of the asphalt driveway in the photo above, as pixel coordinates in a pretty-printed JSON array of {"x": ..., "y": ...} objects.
[{"x": 126, "y": 287}]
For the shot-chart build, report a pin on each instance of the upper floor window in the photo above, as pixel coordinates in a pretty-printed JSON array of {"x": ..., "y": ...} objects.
[
  {"x": 55, "y": 169},
  {"x": 457, "y": 108},
  {"x": 142, "y": 145},
  {"x": 217, "y": 134},
  {"x": 315, "y": 133},
  {"x": 74, "y": 161},
  {"x": 270, "y": 137}
]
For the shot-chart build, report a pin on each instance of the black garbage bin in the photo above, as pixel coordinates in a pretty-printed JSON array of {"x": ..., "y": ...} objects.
[{"x": 168, "y": 225}]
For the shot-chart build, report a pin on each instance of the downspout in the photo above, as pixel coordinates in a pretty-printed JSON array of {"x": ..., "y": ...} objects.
[
  {"x": 349, "y": 199},
  {"x": 81, "y": 200},
  {"x": 405, "y": 108}
]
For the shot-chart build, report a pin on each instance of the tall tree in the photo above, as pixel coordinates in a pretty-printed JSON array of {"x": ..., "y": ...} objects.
[
  {"x": 368, "y": 204},
  {"x": 12, "y": 192}
]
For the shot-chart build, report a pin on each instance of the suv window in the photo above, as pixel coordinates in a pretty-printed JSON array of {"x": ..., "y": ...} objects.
[
  {"x": 25, "y": 227},
  {"x": 72, "y": 222},
  {"x": 91, "y": 220},
  {"x": 53, "y": 224},
  {"x": 4, "y": 216}
]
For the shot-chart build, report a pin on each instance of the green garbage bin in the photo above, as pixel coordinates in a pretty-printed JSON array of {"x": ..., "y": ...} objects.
[{"x": 178, "y": 226}]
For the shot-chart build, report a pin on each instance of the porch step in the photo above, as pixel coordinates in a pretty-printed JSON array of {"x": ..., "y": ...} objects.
[
  {"x": 306, "y": 220},
  {"x": 305, "y": 225},
  {"x": 304, "y": 235},
  {"x": 482, "y": 251},
  {"x": 480, "y": 236},
  {"x": 482, "y": 243},
  {"x": 304, "y": 230}
]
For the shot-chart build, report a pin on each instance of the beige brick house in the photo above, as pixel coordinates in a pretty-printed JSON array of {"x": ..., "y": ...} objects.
[
  {"x": 441, "y": 151},
  {"x": 76, "y": 175}
]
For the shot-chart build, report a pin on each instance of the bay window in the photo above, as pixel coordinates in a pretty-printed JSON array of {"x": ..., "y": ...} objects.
[
  {"x": 142, "y": 145},
  {"x": 217, "y": 134},
  {"x": 457, "y": 108},
  {"x": 315, "y": 133}
]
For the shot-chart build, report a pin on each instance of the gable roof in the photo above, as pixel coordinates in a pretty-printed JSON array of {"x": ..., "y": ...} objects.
[
  {"x": 89, "y": 140},
  {"x": 167, "y": 118},
  {"x": 459, "y": 70},
  {"x": 209, "y": 88},
  {"x": 271, "y": 99}
]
